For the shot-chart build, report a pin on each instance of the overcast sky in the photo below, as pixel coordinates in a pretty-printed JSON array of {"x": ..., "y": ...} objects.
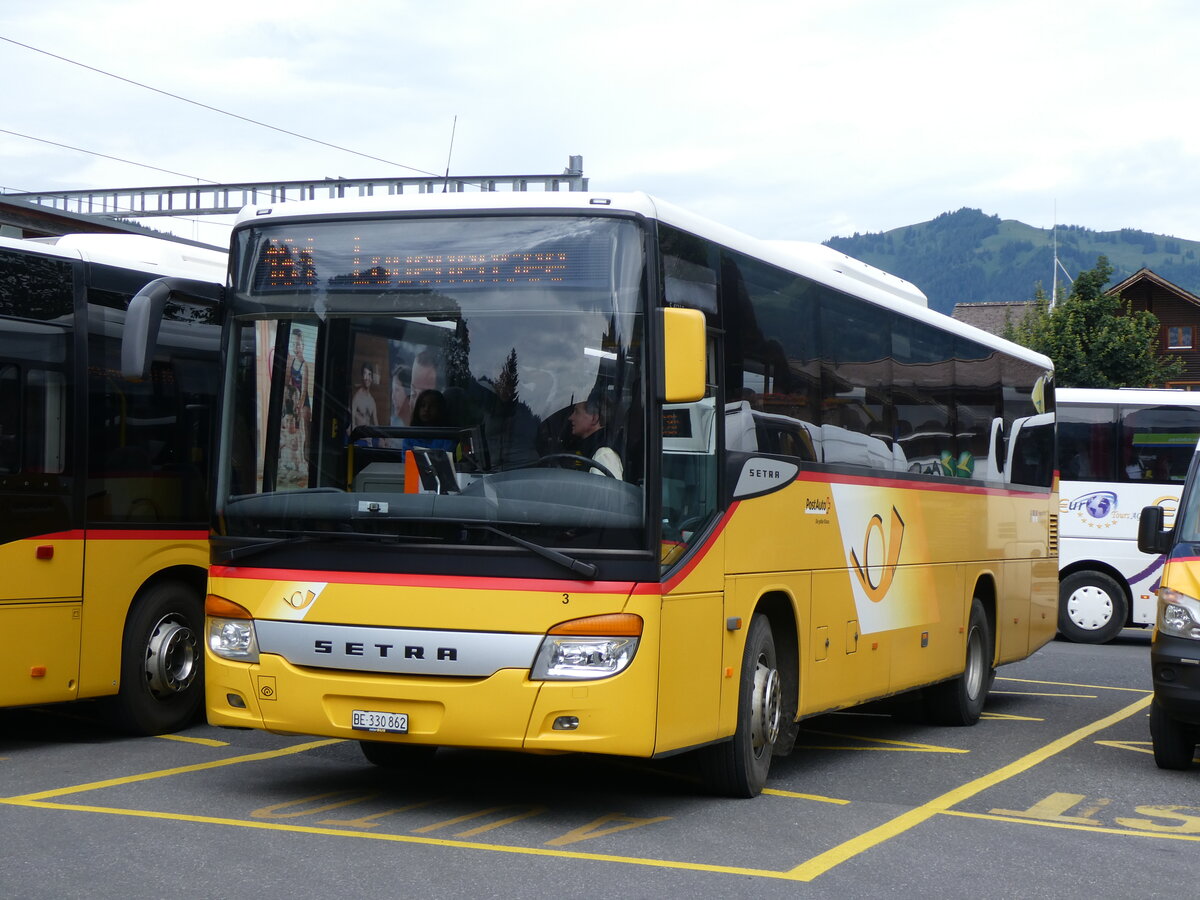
[{"x": 801, "y": 119}]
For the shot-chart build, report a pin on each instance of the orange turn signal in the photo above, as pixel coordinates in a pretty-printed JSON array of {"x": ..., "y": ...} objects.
[
  {"x": 613, "y": 624},
  {"x": 225, "y": 609}
]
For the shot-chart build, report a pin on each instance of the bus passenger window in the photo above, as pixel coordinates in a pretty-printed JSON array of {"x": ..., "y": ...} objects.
[{"x": 10, "y": 419}]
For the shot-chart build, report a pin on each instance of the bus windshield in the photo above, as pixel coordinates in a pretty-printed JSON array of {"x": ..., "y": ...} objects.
[{"x": 438, "y": 381}]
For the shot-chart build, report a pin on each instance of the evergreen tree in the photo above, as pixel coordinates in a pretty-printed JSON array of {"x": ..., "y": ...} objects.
[
  {"x": 509, "y": 379},
  {"x": 1096, "y": 340}
]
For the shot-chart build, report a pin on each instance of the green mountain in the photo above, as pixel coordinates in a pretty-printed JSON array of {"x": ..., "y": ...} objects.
[{"x": 968, "y": 257}]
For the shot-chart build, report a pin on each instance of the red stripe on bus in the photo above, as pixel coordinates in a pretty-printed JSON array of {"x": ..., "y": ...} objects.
[
  {"x": 465, "y": 582},
  {"x": 75, "y": 535},
  {"x": 949, "y": 485},
  {"x": 145, "y": 535},
  {"x": 109, "y": 534}
]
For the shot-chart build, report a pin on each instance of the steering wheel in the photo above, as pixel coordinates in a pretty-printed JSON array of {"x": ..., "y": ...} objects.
[{"x": 591, "y": 463}]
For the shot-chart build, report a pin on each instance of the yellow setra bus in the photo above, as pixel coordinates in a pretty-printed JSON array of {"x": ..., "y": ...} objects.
[
  {"x": 104, "y": 492},
  {"x": 586, "y": 472}
]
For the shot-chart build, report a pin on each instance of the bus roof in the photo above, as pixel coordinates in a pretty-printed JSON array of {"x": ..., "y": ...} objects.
[
  {"x": 823, "y": 265},
  {"x": 1140, "y": 396},
  {"x": 138, "y": 252}
]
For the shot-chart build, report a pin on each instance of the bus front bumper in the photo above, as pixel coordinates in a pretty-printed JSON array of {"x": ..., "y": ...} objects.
[
  {"x": 504, "y": 711},
  {"x": 1175, "y": 664}
]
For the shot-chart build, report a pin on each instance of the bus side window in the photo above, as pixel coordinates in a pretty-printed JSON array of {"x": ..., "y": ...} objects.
[
  {"x": 10, "y": 419},
  {"x": 1032, "y": 451},
  {"x": 1159, "y": 441},
  {"x": 689, "y": 468}
]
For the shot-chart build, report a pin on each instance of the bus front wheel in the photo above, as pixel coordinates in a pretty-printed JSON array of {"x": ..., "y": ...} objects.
[
  {"x": 1091, "y": 608},
  {"x": 1174, "y": 744},
  {"x": 960, "y": 700},
  {"x": 162, "y": 682},
  {"x": 738, "y": 768}
]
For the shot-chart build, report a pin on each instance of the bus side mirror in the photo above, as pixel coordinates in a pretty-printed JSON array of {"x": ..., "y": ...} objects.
[
  {"x": 139, "y": 337},
  {"x": 683, "y": 364},
  {"x": 1152, "y": 538}
]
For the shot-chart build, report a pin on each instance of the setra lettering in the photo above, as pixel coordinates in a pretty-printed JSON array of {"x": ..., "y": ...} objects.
[
  {"x": 772, "y": 474},
  {"x": 385, "y": 651}
]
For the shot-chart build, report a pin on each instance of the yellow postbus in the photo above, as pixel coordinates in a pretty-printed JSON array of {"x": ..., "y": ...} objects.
[
  {"x": 587, "y": 472},
  {"x": 1175, "y": 646},
  {"x": 104, "y": 492}
]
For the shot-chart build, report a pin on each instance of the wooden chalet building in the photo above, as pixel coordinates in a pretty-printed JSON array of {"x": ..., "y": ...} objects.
[{"x": 1178, "y": 314}]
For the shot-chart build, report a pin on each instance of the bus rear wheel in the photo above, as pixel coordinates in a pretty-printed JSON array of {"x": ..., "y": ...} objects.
[
  {"x": 960, "y": 700},
  {"x": 1174, "y": 743},
  {"x": 162, "y": 658},
  {"x": 739, "y": 767},
  {"x": 1091, "y": 608}
]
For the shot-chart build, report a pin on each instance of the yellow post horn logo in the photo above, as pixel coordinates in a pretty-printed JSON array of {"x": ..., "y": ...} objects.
[{"x": 876, "y": 592}]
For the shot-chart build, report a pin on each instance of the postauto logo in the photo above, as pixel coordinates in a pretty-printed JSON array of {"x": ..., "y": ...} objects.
[{"x": 1098, "y": 504}]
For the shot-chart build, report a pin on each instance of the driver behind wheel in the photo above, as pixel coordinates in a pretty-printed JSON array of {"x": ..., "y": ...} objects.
[{"x": 588, "y": 428}]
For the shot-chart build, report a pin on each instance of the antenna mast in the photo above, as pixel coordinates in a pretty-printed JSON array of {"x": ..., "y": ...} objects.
[
  {"x": 1054, "y": 267},
  {"x": 449, "y": 153},
  {"x": 1057, "y": 264}
]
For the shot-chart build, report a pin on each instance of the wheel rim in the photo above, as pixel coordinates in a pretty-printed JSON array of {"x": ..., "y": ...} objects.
[
  {"x": 973, "y": 675},
  {"x": 765, "y": 713},
  {"x": 171, "y": 657},
  {"x": 1090, "y": 607}
]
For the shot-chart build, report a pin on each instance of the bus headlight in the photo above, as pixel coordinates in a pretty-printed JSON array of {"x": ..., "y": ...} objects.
[
  {"x": 1178, "y": 614},
  {"x": 233, "y": 639},
  {"x": 595, "y": 647},
  {"x": 230, "y": 630}
]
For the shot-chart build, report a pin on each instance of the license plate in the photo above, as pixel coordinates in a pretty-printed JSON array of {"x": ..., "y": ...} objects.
[{"x": 372, "y": 720}]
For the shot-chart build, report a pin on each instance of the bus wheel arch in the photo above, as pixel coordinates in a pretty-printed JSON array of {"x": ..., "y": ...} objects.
[
  {"x": 1093, "y": 605},
  {"x": 162, "y": 654}
]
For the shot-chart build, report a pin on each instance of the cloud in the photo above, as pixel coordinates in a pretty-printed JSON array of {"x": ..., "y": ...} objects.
[{"x": 790, "y": 120}]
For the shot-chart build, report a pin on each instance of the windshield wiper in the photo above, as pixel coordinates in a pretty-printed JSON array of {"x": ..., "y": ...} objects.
[
  {"x": 578, "y": 566},
  {"x": 289, "y": 536}
]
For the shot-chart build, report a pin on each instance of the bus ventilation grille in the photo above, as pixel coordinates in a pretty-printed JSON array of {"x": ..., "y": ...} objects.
[{"x": 1053, "y": 543}]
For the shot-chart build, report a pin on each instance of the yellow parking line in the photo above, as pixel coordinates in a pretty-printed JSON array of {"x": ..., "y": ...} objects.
[
  {"x": 1043, "y": 694},
  {"x": 408, "y": 839},
  {"x": 164, "y": 773},
  {"x": 1094, "y": 687},
  {"x": 204, "y": 742},
  {"x": 1007, "y": 717},
  {"x": 777, "y": 793},
  {"x": 806, "y": 871},
  {"x": 823, "y": 862},
  {"x": 890, "y": 744},
  {"x": 1070, "y": 826}
]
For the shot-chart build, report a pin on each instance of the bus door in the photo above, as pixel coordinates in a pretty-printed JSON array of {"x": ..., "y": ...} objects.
[{"x": 41, "y": 544}]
